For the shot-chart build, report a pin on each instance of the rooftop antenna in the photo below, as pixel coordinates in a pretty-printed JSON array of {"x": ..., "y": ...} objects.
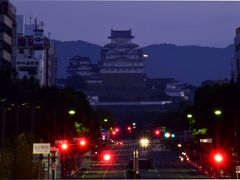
[
  {"x": 30, "y": 18},
  {"x": 36, "y": 25},
  {"x": 41, "y": 24}
]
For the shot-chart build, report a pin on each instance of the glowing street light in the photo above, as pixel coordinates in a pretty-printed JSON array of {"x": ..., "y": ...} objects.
[
  {"x": 189, "y": 116},
  {"x": 105, "y": 120},
  {"x": 217, "y": 112},
  {"x": 144, "y": 142},
  {"x": 71, "y": 112}
]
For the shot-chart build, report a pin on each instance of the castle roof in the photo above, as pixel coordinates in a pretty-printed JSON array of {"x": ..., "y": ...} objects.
[
  {"x": 129, "y": 45},
  {"x": 126, "y": 34}
]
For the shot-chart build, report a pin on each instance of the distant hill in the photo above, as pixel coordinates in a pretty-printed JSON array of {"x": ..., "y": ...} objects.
[
  {"x": 68, "y": 49},
  {"x": 191, "y": 64}
]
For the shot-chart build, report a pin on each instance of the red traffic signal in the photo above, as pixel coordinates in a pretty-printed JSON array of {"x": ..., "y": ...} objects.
[
  {"x": 83, "y": 143},
  {"x": 218, "y": 158},
  {"x": 106, "y": 157},
  {"x": 64, "y": 146},
  {"x": 129, "y": 128},
  {"x": 157, "y": 132}
]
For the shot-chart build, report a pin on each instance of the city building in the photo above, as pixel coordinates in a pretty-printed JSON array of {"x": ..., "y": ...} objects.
[
  {"x": 7, "y": 34},
  {"x": 122, "y": 61},
  {"x": 35, "y": 53},
  {"x": 235, "y": 61}
]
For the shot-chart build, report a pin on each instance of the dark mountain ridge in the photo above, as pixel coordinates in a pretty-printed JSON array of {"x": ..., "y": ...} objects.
[{"x": 190, "y": 64}]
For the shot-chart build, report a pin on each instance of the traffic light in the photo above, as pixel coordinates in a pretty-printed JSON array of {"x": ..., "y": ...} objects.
[
  {"x": 167, "y": 135},
  {"x": 117, "y": 129},
  {"x": 64, "y": 147},
  {"x": 129, "y": 128},
  {"x": 157, "y": 132},
  {"x": 83, "y": 142},
  {"x": 218, "y": 158},
  {"x": 107, "y": 156}
]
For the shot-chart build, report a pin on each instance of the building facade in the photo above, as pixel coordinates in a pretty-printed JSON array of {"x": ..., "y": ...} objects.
[
  {"x": 80, "y": 66},
  {"x": 235, "y": 61},
  {"x": 122, "y": 61},
  {"x": 7, "y": 34},
  {"x": 35, "y": 54}
]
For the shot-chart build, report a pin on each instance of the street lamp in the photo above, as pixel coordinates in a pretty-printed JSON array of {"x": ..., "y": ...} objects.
[
  {"x": 105, "y": 120},
  {"x": 217, "y": 112},
  {"x": 218, "y": 125},
  {"x": 144, "y": 142},
  {"x": 189, "y": 116},
  {"x": 71, "y": 112}
]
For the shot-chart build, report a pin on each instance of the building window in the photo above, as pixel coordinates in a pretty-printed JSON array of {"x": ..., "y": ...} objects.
[
  {"x": 21, "y": 51},
  {"x": 21, "y": 41}
]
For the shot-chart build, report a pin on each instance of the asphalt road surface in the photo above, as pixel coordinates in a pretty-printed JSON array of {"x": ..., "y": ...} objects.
[{"x": 165, "y": 164}]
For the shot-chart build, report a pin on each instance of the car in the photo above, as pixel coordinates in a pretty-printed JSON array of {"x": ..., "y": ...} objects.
[{"x": 119, "y": 143}]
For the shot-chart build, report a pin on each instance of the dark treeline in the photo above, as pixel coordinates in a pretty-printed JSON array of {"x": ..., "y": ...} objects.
[
  {"x": 223, "y": 128},
  {"x": 30, "y": 114}
]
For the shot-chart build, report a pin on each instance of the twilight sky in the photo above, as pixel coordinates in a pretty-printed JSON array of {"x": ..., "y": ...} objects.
[{"x": 154, "y": 22}]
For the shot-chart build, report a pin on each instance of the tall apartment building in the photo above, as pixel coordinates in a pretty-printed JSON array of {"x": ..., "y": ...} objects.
[
  {"x": 122, "y": 62},
  {"x": 7, "y": 34},
  {"x": 35, "y": 56},
  {"x": 235, "y": 62}
]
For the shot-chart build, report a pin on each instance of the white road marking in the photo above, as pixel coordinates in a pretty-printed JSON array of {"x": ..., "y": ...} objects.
[
  {"x": 124, "y": 172},
  {"x": 83, "y": 176}
]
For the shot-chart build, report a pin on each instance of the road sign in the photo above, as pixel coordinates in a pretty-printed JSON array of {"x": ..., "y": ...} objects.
[
  {"x": 41, "y": 148},
  {"x": 206, "y": 140}
]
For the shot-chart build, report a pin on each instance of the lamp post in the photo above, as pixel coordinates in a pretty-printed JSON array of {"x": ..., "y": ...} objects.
[
  {"x": 191, "y": 120},
  {"x": 218, "y": 114}
]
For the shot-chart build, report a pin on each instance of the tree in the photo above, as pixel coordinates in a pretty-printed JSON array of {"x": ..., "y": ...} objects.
[
  {"x": 17, "y": 159},
  {"x": 77, "y": 82}
]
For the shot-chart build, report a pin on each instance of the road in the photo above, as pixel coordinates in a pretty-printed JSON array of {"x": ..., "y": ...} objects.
[{"x": 165, "y": 164}]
